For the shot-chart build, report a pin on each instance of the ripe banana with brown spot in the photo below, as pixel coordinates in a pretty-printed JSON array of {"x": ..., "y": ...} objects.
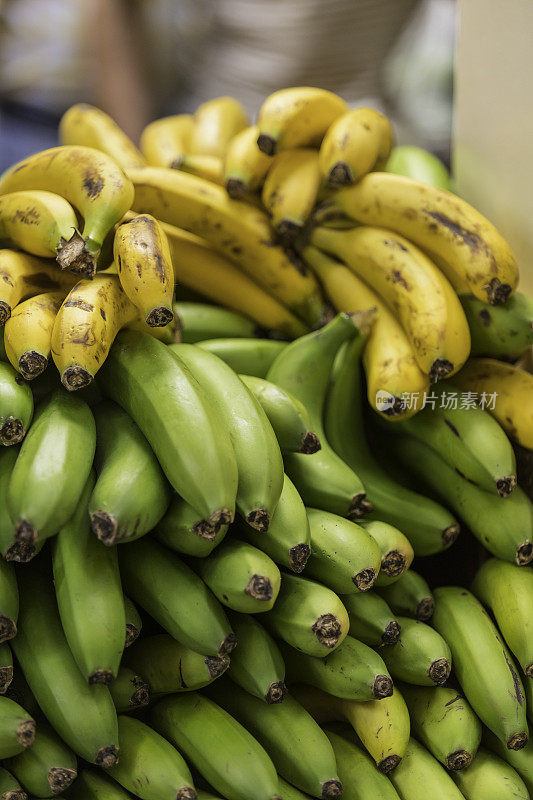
[
  {"x": 86, "y": 125},
  {"x": 165, "y": 140},
  {"x": 215, "y": 123},
  {"x": 357, "y": 142},
  {"x": 28, "y": 333},
  {"x": 290, "y": 190},
  {"x": 245, "y": 166}
]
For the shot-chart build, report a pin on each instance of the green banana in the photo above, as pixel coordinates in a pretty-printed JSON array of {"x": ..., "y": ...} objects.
[
  {"x": 17, "y": 728},
  {"x": 303, "y": 368},
  {"x": 429, "y": 527},
  {"x": 129, "y": 691},
  {"x": 482, "y": 664},
  {"x": 9, "y": 601},
  {"x": 299, "y": 749},
  {"x": 259, "y": 462},
  {"x": 396, "y": 551},
  {"x": 257, "y": 664},
  {"x": 360, "y": 778},
  {"x": 490, "y": 778},
  {"x": 371, "y": 619},
  {"x": 149, "y": 766},
  {"x": 180, "y": 529},
  {"x": 353, "y": 671},
  {"x": 133, "y": 622},
  {"x": 287, "y": 415},
  {"x": 344, "y": 556},
  {"x": 419, "y": 773},
  {"x": 499, "y": 331},
  {"x": 237, "y": 766},
  {"x": 10, "y": 788},
  {"x": 200, "y": 321},
  {"x": 288, "y": 539},
  {"x": 6, "y": 667},
  {"x": 246, "y": 356},
  {"x": 521, "y": 760},
  {"x": 193, "y": 616},
  {"x": 95, "y": 785},
  {"x": 168, "y": 666},
  {"x": 508, "y": 592},
  {"x": 410, "y": 596},
  {"x": 16, "y": 406},
  {"x": 289, "y": 792},
  {"x": 131, "y": 493},
  {"x": 48, "y": 767},
  {"x": 419, "y": 164},
  {"x": 183, "y": 429},
  {"x": 242, "y": 577},
  {"x": 19, "y": 691},
  {"x": 443, "y": 722},
  {"x": 308, "y": 616},
  {"x": 8, "y": 457},
  {"x": 89, "y": 595},
  {"x": 84, "y": 716},
  {"x": 421, "y": 656}
]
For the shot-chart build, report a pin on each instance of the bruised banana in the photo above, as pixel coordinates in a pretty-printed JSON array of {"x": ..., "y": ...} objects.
[
  {"x": 491, "y": 778},
  {"x": 419, "y": 771},
  {"x": 28, "y": 333},
  {"x": 396, "y": 551},
  {"x": 371, "y": 619},
  {"x": 245, "y": 356},
  {"x": 165, "y": 140},
  {"x": 215, "y": 123},
  {"x": 356, "y": 143},
  {"x": 199, "y": 321},
  {"x": 421, "y": 657},
  {"x": 86, "y": 125},
  {"x": 360, "y": 779},
  {"x": 245, "y": 166},
  {"x": 129, "y": 691},
  {"x": 16, "y": 406},
  {"x": 410, "y": 596},
  {"x": 179, "y": 529},
  {"x": 290, "y": 191},
  {"x": 257, "y": 665}
]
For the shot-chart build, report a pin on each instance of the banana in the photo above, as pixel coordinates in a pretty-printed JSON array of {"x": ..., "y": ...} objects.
[
  {"x": 28, "y": 333},
  {"x": 150, "y": 766},
  {"x": 413, "y": 288},
  {"x": 48, "y": 768},
  {"x": 490, "y": 778},
  {"x": 290, "y": 191},
  {"x": 235, "y": 229},
  {"x": 443, "y": 722},
  {"x": 308, "y": 616},
  {"x": 499, "y": 332},
  {"x": 246, "y": 356},
  {"x": 17, "y": 728},
  {"x": 182, "y": 531},
  {"x": 352, "y": 672},
  {"x": 83, "y": 716},
  {"x": 10, "y": 788},
  {"x": 289, "y": 792},
  {"x": 390, "y": 364},
  {"x": 508, "y": 592},
  {"x": 521, "y": 760},
  {"x": 303, "y": 368},
  {"x": 419, "y": 164},
  {"x": 50, "y": 472},
  {"x": 16, "y": 406},
  {"x": 297, "y": 117},
  {"x": 131, "y": 493},
  {"x": 482, "y": 664},
  {"x": 165, "y": 140},
  {"x": 410, "y": 596},
  {"x": 371, "y": 619},
  {"x": 357, "y": 142},
  {"x": 360, "y": 779},
  {"x": 421, "y": 657},
  {"x": 193, "y": 616},
  {"x": 129, "y": 691},
  {"x": 511, "y": 387},
  {"x": 133, "y": 622},
  {"x": 215, "y": 123},
  {"x": 88, "y": 179},
  {"x": 144, "y": 266},
  {"x": 396, "y": 551},
  {"x": 8, "y": 458},
  {"x": 210, "y": 168},
  {"x": 419, "y": 771},
  {"x": 182, "y": 427},
  {"x": 343, "y": 555},
  {"x": 299, "y": 749},
  {"x": 94, "y": 785},
  {"x": 88, "y": 126},
  {"x": 469, "y": 248},
  {"x": 257, "y": 664},
  {"x": 201, "y": 321},
  {"x": 6, "y": 668},
  {"x": 288, "y": 539},
  {"x": 259, "y": 461},
  {"x": 238, "y": 767},
  {"x": 245, "y": 166}
]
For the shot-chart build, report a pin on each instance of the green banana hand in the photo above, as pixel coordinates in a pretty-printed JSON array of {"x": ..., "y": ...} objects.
[
  {"x": 418, "y": 772},
  {"x": 410, "y": 596},
  {"x": 180, "y": 529},
  {"x": 421, "y": 656},
  {"x": 16, "y": 406},
  {"x": 371, "y": 619},
  {"x": 48, "y": 767},
  {"x": 245, "y": 356},
  {"x": 129, "y": 691},
  {"x": 257, "y": 664}
]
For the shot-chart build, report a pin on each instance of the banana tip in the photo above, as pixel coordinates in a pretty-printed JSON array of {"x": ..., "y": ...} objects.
[
  {"x": 259, "y": 587},
  {"x": 393, "y": 564},
  {"x": 389, "y": 763},
  {"x": 327, "y": 630},
  {"x": 186, "y": 793},
  {"x": 132, "y": 634},
  {"x": 299, "y": 556},
  {"x": 12, "y": 431},
  {"x": 460, "y": 759},
  {"x": 524, "y": 554},
  {"x": 104, "y": 676},
  {"x": 75, "y": 378},
  {"x": 5, "y": 312},
  {"x": 6, "y": 676},
  {"x": 275, "y": 693},
  {"x": 505, "y": 486},
  {"x": 104, "y": 526},
  {"x": 310, "y": 443},
  {"x": 227, "y": 645},
  {"x": 259, "y": 519},
  {"x": 20, "y": 551},
  {"x": 107, "y": 756},
  {"x": 216, "y": 665},
  {"x": 60, "y": 778},
  {"x": 26, "y": 733},
  {"x": 8, "y": 628},
  {"x": 266, "y": 143},
  {"x": 450, "y": 534},
  {"x": 497, "y": 292},
  {"x": 382, "y": 687},
  {"x": 141, "y": 695},
  {"x": 392, "y": 632},
  {"x": 359, "y": 507},
  {"x": 72, "y": 255},
  {"x": 518, "y": 741},
  {"x": 340, "y": 175},
  {"x": 440, "y": 368},
  {"x": 365, "y": 579},
  {"x": 439, "y": 671},
  {"x": 425, "y": 608},
  {"x": 235, "y": 188},
  {"x": 331, "y": 789},
  {"x": 159, "y": 317}
]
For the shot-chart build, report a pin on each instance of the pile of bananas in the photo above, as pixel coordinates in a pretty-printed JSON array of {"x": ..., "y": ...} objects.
[{"x": 206, "y": 584}]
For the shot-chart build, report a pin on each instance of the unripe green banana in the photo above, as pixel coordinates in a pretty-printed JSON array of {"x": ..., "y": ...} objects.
[
  {"x": 10, "y": 788},
  {"x": 344, "y": 556},
  {"x": 8, "y": 457},
  {"x": 353, "y": 671},
  {"x": 396, "y": 551},
  {"x": 443, "y": 722},
  {"x": 259, "y": 462},
  {"x": 508, "y": 592},
  {"x": 360, "y": 778},
  {"x": 149, "y": 766},
  {"x": 168, "y": 666},
  {"x": 419, "y": 164},
  {"x": 245, "y": 356},
  {"x": 16, "y": 406},
  {"x": 499, "y": 331},
  {"x": 237, "y": 767},
  {"x": 131, "y": 493},
  {"x": 490, "y": 778},
  {"x": 17, "y": 728},
  {"x": 200, "y": 321},
  {"x": 482, "y": 664},
  {"x": 410, "y": 596},
  {"x": 133, "y": 622},
  {"x": 521, "y": 760},
  {"x": 129, "y": 691},
  {"x": 308, "y": 616},
  {"x": 89, "y": 595},
  {"x": 290, "y": 792},
  {"x": 193, "y": 616},
  {"x": 95, "y": 785},
  {"x": 48, "y": 767},
  {"x": 257, "y": 664},
  {"x": 6, "y": 667},
  {"x": 371, "y": 619},
  {"x": 84, "y": 716},
  {"x": 421, "y": 656},
  {"x": 183, "y": 429},
  {"x": 9, "y": 601},
  {"x": 299, "y": 749},
  {"x": 180, "y": 529},
  {"x": 419, "y": 773}
]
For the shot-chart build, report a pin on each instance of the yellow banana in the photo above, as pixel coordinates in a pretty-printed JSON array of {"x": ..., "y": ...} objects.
[
  {"x": 236, "y": 229},
  {"x": 290, "y": 190},
  {"x": 22, "y": 276},
  {"x": 165, "y": 140},
  {"x": 211, "y": 168},
  {"x": 390, "y": 364},
  {"x": 297, "y": 117},
  {"x": 88, "y": 126},
  {"x": 414, "y": 289},
  {"x": 28, "y": 333},
  {"x": 357, "y": 142},
  {"x": 465, "y": 243},
  {"x": 144, "y": 266},
  {"x": 95, "y": 185},
  {"x": 245, "y": 166},
  {"x": 215, "y": 124},
  {"x": 503, "y": 390}
]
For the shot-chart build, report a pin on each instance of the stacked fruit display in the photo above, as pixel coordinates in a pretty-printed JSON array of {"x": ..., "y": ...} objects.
[{"x": 237, "y": 399}]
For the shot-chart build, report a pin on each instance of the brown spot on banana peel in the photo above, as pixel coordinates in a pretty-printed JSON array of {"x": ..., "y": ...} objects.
[
  {"x": 439, "y": 671},
  {"x": 485, "y": 317},
  {"x": 327, "y": 630},
  {"x": 12, "y": 431},
  {"x": 6, "y": 676},
  {"x": 275, "y": 693},
  {"x": 386, "y": 765},
  {"x": 260, "y": 588},
  {"x": 73, "y": 302},
  {"x": 299, "y": 556},
  {"x": 93, "y": 183},
  {"x": 8, "y": 628},
  {"x": 106, "y": 756},
  {"x": 29, "y": 216},
  {"x": 365, "y": 579},
  {"x": 393, "y": 563},
  {"x": 459, "y": 759},
  {"x": 382, "y": 687},
  {"x": 425, "y": 608},
  {"x": 331, "y": 789},
  {"x": 392, "y": 632}
]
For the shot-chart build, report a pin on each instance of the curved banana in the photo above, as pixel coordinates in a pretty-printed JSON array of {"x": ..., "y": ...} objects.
[
  {"x": 165, "y": 140},
  {"x": 396, "y": 551},
  {"x": 290, "y": 191},
  {"x": 245, "y": 166},
  {"x": 359, "y": 777},
  {"x": 86, "y": 125},
  {"x": 210, "y": 168},
  {"x": 48, "y": 767},
  {"x": 521, "y": 760},
  {"x": 129, "y": 691},
  {"x": 371, "y": 619},
  {"x": 418, "y": 771},
  {"x": 499, "y": 332},
  {"x": 215, "y": 123},
  {"x": 28, "y": 333},
  {"x": 16, "y": 406},
  {"x": 410, "y": 596},
  {"x": 466, "y": 243},
  {"x": 181, "y": 530},
  {"x": 257, "y": 664},
  {"x": 354, "y": 144},
  {"x": 491, "y": 778},
  {"x": 421, "y": 657}
]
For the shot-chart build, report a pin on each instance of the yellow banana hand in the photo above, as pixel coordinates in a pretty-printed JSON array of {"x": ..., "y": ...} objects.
[
  {"x": 28, "y": 333},
  {"x": 165, "y": 140},
  {"x": 88, "y": 126},
  {"x": 211, "y": 168},
  {"x": 245, "y": 166},
  {"x": 22, "y": 276},
  {"x": 290, "y": 190},
  {"x": 215, "y": 124},
  {"x": 356, "y": 143}
]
